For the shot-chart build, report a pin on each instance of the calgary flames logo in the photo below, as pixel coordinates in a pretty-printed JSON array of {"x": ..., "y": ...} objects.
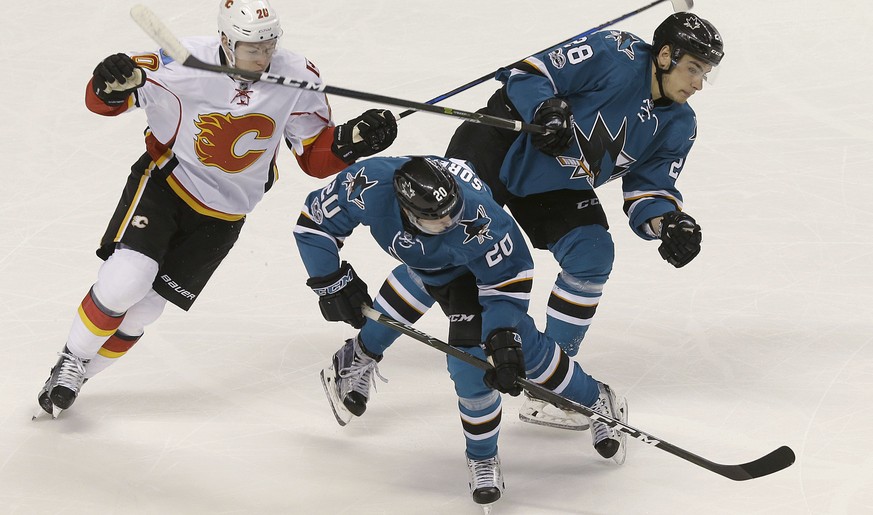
[{"x": 220, "y": 135}]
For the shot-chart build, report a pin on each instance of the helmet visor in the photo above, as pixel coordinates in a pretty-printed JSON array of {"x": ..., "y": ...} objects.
[
  {"x": 435, "y": 226},
  {"x": 697, "y": 68}
]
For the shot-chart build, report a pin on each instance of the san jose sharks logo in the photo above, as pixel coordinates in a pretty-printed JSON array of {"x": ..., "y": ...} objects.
[
  {"x": 477, "y": 228},
  {"x": 405, "y": 241},
  {"x": 356, "y": 185},
  {"x": 601, "y": 151},
  {"x": 624, "y": 42}
]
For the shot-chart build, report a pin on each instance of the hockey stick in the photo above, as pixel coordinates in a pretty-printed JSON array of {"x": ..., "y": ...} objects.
[
  {"x": 775, "y": 461},
  {"x": 154, "y": 27},
  {"x": 678, "y": 5}
]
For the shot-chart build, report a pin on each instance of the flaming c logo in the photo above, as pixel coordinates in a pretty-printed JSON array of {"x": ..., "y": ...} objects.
[{"x": 220, "y": 133}]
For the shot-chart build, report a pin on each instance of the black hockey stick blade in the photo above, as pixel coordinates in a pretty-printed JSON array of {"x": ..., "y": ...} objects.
[
  {"x": 777, "y": 460},
  {"x": 170, "y": 45}
]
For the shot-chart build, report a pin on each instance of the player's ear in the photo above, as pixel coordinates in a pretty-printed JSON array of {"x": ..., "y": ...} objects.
[{"x": 664, "y": 57}]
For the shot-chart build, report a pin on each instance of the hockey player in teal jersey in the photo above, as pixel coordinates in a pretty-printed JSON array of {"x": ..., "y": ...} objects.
[
  {"x": 618, "y": 109},
  {"x": 458, "y": 248}
]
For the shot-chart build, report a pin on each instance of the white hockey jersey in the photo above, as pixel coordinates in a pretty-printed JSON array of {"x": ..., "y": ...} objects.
[{"x": 219, "y": 136}]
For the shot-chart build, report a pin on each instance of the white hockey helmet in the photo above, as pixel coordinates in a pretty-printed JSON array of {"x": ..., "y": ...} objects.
[{"x": 250, "y": 21}]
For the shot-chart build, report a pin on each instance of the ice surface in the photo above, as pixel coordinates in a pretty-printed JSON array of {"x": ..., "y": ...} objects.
[{"x": 765, "y": 339}]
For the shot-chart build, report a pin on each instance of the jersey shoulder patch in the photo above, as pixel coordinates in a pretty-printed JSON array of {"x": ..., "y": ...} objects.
[{"x": 624, "y": 42}]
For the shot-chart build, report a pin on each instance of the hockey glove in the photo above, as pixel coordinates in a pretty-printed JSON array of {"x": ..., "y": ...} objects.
[
  {"x": 372, "y": 132},
  {"x": 115, "y": 77},
  {"x": 340, "y": 296},
  {"x": 503, "y": 348},
  {"x": 680, "y": 238},
  {"x": 554, "y": 114}
]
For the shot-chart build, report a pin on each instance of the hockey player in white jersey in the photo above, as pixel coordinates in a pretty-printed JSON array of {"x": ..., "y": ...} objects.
[{"x": 211, "y": 148}]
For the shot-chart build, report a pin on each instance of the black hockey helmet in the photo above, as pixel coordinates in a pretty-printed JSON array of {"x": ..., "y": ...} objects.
[
  {"x": 428, "y": 194},
  {"x": 688, "y": 33}
]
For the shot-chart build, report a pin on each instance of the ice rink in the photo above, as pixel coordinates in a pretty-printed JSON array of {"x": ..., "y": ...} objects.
[{"x": 766, "y": 339}]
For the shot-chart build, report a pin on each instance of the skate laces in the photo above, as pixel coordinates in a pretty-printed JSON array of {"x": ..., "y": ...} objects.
[
  {"x": 484, "y": 473},
  {"x": 603, "y": 405},
  {"x": 360, "y": 373},
  {"x": 71, "y": 373}
]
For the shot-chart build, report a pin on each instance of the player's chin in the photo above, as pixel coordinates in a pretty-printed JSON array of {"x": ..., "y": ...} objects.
[{"x": 680, "y": 97}]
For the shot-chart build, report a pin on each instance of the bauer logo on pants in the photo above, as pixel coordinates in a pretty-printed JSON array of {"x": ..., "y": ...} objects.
[{"x": 177, "y": 288}]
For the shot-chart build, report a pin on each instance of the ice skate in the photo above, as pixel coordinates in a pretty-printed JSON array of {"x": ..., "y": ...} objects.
[
  {"x": 45, "y": 404},
  {"x": 348, "y": 379},
  {"x": 63, "y": 384},
  {"x": 536, "y": 411},
  {"x": 609, "y": 442},
  {"x": 486, "y": 481}
]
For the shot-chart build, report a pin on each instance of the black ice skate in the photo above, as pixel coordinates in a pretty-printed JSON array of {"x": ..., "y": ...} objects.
[
  {"x": 348, "y": 379},
  {"x": 63, "y": 384},
  {"x": 609, "y": 442},
  {"x": 486, "y": 481}
]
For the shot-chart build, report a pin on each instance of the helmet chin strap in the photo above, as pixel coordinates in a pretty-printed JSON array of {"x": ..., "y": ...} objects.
[
  {"x": 228, "y": 58},
  {"x": 659, "y": 78},
  {"x": 231, "y": 61}
]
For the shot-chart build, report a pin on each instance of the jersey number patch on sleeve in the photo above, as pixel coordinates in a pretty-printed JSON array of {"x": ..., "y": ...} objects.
[
  {"x": 499, "y": 251},
  {"x": 676, "y": 167}
]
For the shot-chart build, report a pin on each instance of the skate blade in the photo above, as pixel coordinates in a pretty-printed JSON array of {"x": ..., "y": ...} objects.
[
  {"x": 342, "y": 415},
  {"x": 41, "y": 413},
  {"x": 532, "y": 419},
  {"x": 622, "y": 439}
]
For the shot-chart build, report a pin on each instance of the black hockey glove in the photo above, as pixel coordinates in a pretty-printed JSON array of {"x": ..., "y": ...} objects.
[
  {"x": 680, "y": 238},
  {"x": 115, "y": 77},
  {"x": 554, "y": 114},
  {"x": 340, "y": 296},
  {"x": 372, "y": 132},
  {"x": 503, "y": 348}
]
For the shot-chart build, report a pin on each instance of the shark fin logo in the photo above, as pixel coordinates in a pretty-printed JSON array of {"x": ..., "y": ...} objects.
[
  {"x": 601, "y": 152},
  {"x": 624, "y": 42},
  {"x": 356, "y": 185},
  {"x": 477, "y": 228},
  {"x": 229, "y": 142}
]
